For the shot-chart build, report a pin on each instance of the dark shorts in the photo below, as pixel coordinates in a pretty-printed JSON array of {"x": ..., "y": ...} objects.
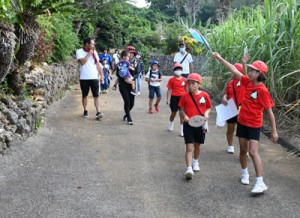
[
  {"x": 156, "y": 90},
  {"x": 174, "y": 103},
  {"x": 85, "y": 87},
  {"x": 247, "y": 132},
  {"x": 232, "y": 120},
  {"x": 193, "y": 134}
]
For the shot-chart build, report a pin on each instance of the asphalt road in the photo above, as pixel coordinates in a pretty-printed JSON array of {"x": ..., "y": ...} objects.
[{"x": 77, "y": 167}]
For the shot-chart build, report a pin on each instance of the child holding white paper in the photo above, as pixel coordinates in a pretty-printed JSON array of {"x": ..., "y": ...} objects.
[
  {"x": 256, "y": 99},
  {"x": 235, "y": 91}
]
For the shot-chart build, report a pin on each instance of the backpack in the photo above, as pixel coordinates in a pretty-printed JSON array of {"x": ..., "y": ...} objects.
[{"x": 150, "y": 75}]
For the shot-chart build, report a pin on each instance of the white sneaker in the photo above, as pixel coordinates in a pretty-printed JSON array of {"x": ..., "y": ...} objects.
[
  {"x": 181, "y": 133},
  {"x": 230, "y": 149},
  {"x": 139, "y": 93},
  {"x": 195, "y": 165},
  {"x": 189, "y": 173},
  {"x": 181, "y": 130},
  {"x": 171, "y": 126},
  {"x": 259, "y": 188},
  {"x": 245, "y": 179}
]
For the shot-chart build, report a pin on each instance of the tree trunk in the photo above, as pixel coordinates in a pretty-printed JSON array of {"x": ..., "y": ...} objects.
[
  {"x": 7, "y": 46},
  {"x": 27, "y": 38},
  {"x": 77, "y": 26}
]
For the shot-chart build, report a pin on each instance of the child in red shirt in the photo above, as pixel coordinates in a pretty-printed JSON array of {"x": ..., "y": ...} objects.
[
  {"x": 176, "y": 88},
  {"x": 235, "y": 91},
  {"x": 192, "y": 104},
  {"x": 256, "y": 99}
]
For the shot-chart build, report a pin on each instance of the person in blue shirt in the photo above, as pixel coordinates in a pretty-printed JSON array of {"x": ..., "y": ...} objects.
[{"x": 107, "y": 57}]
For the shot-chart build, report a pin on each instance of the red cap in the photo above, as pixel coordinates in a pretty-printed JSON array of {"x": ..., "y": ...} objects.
[
  {"x": 259, "y": 66},
  {"x": 239, "y": 67},
  {"x": 195, "y": 77},
  {"x": 177, "y": 65},
  {"x": 130, "y": 49}
]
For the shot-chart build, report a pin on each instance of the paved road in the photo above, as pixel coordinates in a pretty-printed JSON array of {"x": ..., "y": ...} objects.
[{"x": 76, "y": 167}]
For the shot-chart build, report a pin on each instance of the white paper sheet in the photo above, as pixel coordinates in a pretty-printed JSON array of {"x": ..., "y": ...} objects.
[{"x": 225, "y": 112}]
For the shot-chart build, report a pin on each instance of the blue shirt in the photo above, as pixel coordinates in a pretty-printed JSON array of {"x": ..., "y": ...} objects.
[{"x": 107, "y": 57}]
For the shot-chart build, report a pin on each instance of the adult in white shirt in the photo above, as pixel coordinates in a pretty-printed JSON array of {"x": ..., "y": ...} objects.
[
  {"x": 185, "y": 59},
  {"x": 116, "y": 59},
  {"x": 90, "y": 72}
]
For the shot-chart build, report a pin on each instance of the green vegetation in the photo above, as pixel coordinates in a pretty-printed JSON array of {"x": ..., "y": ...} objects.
[
  {"x": 51, "y": 30},
  {"x": 270, "y": 33}
]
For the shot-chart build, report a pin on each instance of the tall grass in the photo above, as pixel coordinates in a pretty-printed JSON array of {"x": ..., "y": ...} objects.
[{"x": 270, "y": 33}]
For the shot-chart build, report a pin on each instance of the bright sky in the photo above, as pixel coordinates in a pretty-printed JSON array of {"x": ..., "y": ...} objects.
[{"x": 140, "y": 3}]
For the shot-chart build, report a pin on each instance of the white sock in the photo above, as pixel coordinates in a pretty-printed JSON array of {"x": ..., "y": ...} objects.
[
  {"x": 259, "y": 179},
  {"x": 181, "y": 127},
  {"x": 195, "y": 160},
  {"x": 245, "y": 171}
]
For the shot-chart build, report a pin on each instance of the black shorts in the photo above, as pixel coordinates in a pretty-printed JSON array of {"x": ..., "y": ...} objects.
[
  {"x": 232, "y": 120},
  {"x": 247, "y": 132},
  {"x": 193, "y": 134},
  {"x": 174, "y": 103},
  {"x": 85, "y": 87}
]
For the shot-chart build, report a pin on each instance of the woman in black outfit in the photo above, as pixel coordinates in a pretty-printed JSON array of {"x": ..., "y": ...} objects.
[{"x": 125, "y": 89}]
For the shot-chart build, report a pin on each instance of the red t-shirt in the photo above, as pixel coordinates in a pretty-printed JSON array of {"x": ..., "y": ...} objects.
[
  {"x": 235, "y": 85},
  {"x": 202, "y": 100},
  {"x": 177, "y": 86},
  {"x": 256, "y": 100}
]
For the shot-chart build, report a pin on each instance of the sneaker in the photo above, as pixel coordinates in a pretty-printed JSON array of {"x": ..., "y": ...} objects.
[
  {"x": 195, "y": 165},
  {"x": 230, "y": 149},
  {"x": 85, "y": 114},
  {"x": 114, "y": 87},
  {"x": 181, "y": 133},
  {"x": 124, "y": 117},
  {"x": 189, "y": 173},
  {"x": 156, "y": 107},
  {"x": 150, "y": 111},
  {"x": 105, "y": 91},
  {"x": 99, "y": 115},
  {"x": 139, "y": 93},
  {"x": 259, "y": 188},
  {"x": 171, "y": 126},
  {"x": 245, "y": 179},
  {"x": 133, "y": 93},
  {"x": 181, "y": 130},
  {"x": 129, "y": 122}
]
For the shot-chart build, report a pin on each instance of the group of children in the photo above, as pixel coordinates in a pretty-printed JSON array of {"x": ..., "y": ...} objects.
[
  {"x": 249, "y": 94},
  {"x": 251, "y": 98}
]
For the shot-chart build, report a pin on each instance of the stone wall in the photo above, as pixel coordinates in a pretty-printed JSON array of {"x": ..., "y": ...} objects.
[{"x": 20, "y": 116}]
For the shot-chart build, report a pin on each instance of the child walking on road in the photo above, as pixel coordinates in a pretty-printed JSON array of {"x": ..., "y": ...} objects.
[
  {"x": 154, "y": 77},
  {"x": 176, "y": 88},
  {"x": 256, "y": 99},
  {"x": 194, "y": 109},
  {"x": 234, "y": 91}
]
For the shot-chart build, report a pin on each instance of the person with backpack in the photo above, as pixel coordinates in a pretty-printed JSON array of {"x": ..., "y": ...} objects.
[
  {"x": 154, "y": 77},
  {"x": 106, "y": 71},
  {"x": 185, "y": 59}
]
